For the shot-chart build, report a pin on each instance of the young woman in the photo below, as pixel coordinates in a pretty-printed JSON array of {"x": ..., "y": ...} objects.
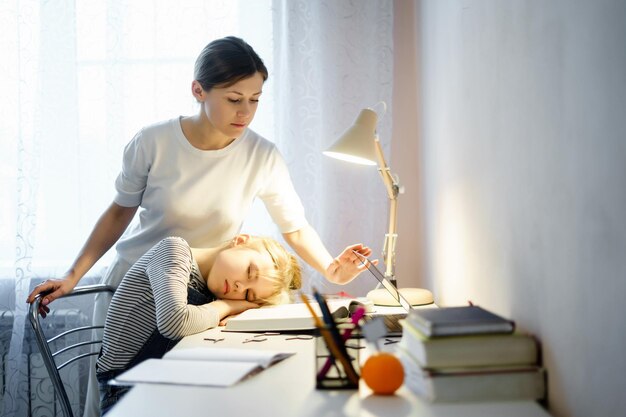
[
  {"x": 196, "y": 177},
  {"x": 173, "y": 291}
]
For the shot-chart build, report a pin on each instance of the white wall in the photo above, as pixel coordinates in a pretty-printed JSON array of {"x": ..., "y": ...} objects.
[
  {"x": 405, "y": 146},
  {"x": 522, "y": 146}
]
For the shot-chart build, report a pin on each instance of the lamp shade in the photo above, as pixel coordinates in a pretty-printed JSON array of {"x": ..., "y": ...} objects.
[{"x": 357, "y": 143}]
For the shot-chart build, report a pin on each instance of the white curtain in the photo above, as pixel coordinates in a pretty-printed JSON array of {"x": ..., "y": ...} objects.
[
  {"x": 332, "y": 59},
  {"x": 79, "y": 78}
]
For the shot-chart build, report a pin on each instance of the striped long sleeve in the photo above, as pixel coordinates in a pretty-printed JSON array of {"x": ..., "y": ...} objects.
[
  {"x": 168, "y": 272},
  {"x": 153, "y": 295}
]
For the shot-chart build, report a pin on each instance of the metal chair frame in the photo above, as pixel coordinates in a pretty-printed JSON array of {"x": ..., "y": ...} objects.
[{"x": 48, "y": 356}]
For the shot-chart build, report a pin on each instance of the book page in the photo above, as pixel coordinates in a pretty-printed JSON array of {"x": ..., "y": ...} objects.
[
  {"x": 293, "y": 316},
  {"x": 259, "y": 357},
  {"x": 280, "y": 311},
  {"x": 181, "y": 372}
]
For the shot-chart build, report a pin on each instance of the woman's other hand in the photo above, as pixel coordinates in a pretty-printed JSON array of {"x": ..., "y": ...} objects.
[{"x": 345, "y": 267}]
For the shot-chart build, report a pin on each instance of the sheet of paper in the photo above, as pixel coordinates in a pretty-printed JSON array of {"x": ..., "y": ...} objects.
[
  {"x": 277, "y": 312},
  {"x": 294, "y": 316},
  {"x": 260, "y": 357},
  {"x": 180, "y": 372}
]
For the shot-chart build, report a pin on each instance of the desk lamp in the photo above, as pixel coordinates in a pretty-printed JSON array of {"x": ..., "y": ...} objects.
[{"x": 360, "y": 144}]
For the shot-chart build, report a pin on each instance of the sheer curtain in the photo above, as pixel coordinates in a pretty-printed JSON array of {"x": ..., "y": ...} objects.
[
  {"x": 333, "y": 58},
  {"x": 79, "y": 78}
]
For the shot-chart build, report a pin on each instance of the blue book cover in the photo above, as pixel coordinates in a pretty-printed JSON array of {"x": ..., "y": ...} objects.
[{"x": 453, "y": 321}]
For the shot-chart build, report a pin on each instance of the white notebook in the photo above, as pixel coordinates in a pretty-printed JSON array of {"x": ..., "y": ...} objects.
[
  {"x": 282, "y": 317},
  {"x": 217, "y": 367}
]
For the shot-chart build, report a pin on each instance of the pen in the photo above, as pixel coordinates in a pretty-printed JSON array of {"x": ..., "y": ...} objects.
[
  {"x": 325, "y": 334},
  {"x": 335, "y": 338},
  {"x": 356, "y": 316}
]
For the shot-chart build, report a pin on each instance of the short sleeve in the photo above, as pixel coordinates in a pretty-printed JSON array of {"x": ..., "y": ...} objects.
[
  {"x": 280, "y": 197},
  {"x": 131, "y": 181}
]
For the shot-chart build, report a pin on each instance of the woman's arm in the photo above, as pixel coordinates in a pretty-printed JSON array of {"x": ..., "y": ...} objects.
[
  {"x": 340, "y": 270},
  {"x": 105, "y": 233}
]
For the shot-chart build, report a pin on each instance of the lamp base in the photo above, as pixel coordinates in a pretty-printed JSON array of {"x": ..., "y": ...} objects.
[{"x": 415, "y": 296}]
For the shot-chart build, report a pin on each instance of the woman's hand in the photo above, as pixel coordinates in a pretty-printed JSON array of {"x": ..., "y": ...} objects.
[
  {"x": 105, "y": 233},
  {"x": 341, "y": 270},
  {"x": 50, "y": 290},
  {"x": 345, "y": 267}
]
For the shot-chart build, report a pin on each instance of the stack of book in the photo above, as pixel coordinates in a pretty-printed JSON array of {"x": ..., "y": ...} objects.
[{"x": 467, "y": 353}]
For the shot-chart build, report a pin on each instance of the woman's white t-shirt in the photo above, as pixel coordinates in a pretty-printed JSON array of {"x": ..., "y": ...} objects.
[{"x": 201, "y": 196}]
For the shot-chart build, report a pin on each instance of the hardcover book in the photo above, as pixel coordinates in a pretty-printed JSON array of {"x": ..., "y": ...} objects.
[
  {"x": 469, "y": 350},
  {"x": 449, "y": 321},
  {"x": 493, "y": 383}
]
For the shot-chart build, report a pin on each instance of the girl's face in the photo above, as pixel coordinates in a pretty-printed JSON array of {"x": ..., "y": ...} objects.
[
  {"x": 235, "y": 274},
  {"x": 231, "y": 109}
]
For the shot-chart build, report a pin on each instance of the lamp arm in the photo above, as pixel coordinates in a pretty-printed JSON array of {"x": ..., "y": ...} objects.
[
  {"x": 390, "y": 183},
  {"x": 393, "y": 189}
]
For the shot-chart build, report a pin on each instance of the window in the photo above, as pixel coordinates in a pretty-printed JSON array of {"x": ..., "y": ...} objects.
[{"x": 80, "y": 79}]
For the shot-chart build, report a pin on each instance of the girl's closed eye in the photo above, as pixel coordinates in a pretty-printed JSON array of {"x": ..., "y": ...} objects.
[{"x": 251, "y": 296}]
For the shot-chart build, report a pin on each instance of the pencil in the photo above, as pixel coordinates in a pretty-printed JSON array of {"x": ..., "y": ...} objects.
[{"x": 318, "y": 322}]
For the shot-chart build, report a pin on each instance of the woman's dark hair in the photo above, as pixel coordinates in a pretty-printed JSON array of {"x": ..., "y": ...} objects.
[{"x": 226, "y": 61}]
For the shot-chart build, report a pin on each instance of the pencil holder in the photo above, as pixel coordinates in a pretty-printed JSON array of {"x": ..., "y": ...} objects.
[{"x": 336, "y": 367}]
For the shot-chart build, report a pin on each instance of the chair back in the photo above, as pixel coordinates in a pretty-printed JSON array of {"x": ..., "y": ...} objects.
[{"x": 87, "y": 337}]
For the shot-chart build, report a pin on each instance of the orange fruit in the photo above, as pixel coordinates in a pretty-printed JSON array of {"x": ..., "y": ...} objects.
[{"x": 383, "y": 373}]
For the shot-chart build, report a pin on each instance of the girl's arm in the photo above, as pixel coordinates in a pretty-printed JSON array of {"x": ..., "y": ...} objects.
[
  {"x": 168, "y": 272},
  {"x": 340, "y": 270},
  {"x": 108, "y": 229}
]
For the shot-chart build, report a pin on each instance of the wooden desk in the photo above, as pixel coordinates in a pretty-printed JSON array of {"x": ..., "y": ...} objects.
[{"x": 288, "y": 389}]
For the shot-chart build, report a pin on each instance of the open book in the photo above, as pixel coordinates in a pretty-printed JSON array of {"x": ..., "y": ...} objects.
[
  {"x": 218, "y": 367},
  {"x": 282, "y": 317}
]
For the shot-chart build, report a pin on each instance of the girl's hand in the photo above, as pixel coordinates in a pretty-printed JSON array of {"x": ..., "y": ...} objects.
[
  {"x": 237, "y": 306},
  {"x": 345, "y": 267},
  {"x": 228, "y": 308}
]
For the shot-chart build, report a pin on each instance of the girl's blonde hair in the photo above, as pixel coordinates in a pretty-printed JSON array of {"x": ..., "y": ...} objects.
[{"x": 286, "y": 274}]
